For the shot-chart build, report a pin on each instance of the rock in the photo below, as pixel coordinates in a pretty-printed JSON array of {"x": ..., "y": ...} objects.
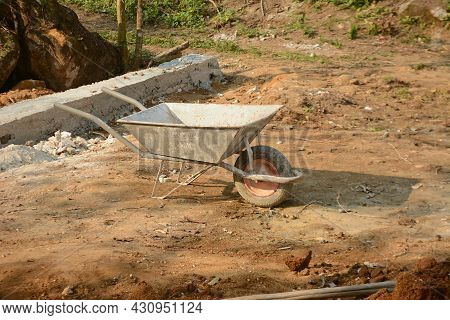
[
  {"x": 62, "y": 144},
  {"x": 428, "y": 10},
  {"x": 417, "y": 186},
  {"x": 14, "y": 156},
  {"x": 343, "y": 80},
  {"x": 363, "y": 272},
  {"x": 214, "y": 281},
  {"x": 67, "y": 292},
  {"x": 376, "y": 272},
  {"x": 425, "y": 263},
  {"x": 58, "y": 49},
  {"x": 9, "y": 54},
  {"x": 299, "y": 263}
]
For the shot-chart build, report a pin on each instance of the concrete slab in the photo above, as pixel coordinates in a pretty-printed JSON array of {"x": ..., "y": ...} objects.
[{"x": 37, "y": 119}]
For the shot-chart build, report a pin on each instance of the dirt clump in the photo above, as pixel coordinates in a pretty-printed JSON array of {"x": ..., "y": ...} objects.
[
  {"x": 299, "y": 263},
  {"x": 15, "y": 96},
  {"x": 407, "y": 222},
  {"x": 428, "y": 281}
]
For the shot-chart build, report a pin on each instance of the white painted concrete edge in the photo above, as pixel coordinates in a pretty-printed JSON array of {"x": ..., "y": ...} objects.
[{"x": 36, "y": 119}]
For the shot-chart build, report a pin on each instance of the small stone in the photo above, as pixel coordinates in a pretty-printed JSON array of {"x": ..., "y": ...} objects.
[
  {"x": 67, "y": 291},
  {"x": 214, "y": 281},
  {"x": 304, "y": 272}
]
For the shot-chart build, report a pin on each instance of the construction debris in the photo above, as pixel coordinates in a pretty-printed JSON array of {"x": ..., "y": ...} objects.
[
  {"x": 63, "y": 144},
  {"x": 14, "y": 156}
]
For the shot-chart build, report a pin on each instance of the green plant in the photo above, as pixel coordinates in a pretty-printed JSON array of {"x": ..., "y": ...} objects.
[
  {"x": 181, "y": 13},
  {"x": 249, "y": 32},
  {"x": 224, "y": 17},
  {"x": 422, "y": 66},
  {"x": 299, "y": 57},
  {"x": 334, "y": 42},
  {"x": 402, "y": 93},
  {"x": 354, "y": 4},
  {"x": 309, "y": 32},
  {"x": 374, "y": 29},
  {"x": 353, "y": 33},
  {"x": 300, "y": 23},
  {"x": 410, "y": 21}
]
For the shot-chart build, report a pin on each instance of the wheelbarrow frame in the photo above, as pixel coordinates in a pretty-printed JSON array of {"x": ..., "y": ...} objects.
[{"x": 149, "y": 155}]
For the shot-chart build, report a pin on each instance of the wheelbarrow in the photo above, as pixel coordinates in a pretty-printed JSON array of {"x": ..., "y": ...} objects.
[{"x": 207, "y": 134}]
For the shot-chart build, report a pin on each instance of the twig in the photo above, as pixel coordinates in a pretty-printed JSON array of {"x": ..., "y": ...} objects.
[
  {"x": 307, "y": 205},
  {"x": 310, "y": 140},
  {"x": 339, "y": 204},
  {"x": 399, "y": 155},
  {"x": 263, "y": 10},
  {"x": 187, "y": 219},
  {"x": 215, "y": 6}
]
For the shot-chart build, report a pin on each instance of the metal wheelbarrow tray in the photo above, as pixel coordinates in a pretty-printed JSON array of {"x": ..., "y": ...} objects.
[{"x": 208, "y": 134}]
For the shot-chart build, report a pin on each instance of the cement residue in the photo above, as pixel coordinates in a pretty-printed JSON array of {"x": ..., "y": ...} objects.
[{"x": 14, "y": 156}]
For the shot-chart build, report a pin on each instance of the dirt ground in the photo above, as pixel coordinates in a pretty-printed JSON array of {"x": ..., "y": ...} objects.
[{"x": 370, "y": 132}]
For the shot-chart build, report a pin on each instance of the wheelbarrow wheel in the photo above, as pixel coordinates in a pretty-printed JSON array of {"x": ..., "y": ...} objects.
[{"x": 269, "y": 161}]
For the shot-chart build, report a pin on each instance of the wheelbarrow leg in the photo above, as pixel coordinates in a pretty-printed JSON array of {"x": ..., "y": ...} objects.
[
  {"x": 187, "y": 182},
  {"x": 157, "y": 178},
  {"x": 180, "y": 171}
]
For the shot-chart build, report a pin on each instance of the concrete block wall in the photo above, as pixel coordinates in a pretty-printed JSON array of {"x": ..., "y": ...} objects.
[{"x": 37, "y": 119}]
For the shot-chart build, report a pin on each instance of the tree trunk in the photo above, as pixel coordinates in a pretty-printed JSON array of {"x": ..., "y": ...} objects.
[
  {"x": 139, "y": 36},
  {"x": 122, "y": 33}
]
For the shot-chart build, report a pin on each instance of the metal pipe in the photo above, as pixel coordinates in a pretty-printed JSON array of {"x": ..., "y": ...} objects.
[
  {"x": 120, "y": 96},
  {"x": 249, "y": 153},
  {"x": 349, "y": 291},
  {"x": 261, "y": 177}
]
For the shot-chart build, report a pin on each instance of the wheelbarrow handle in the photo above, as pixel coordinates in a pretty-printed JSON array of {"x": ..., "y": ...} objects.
[
  {"x": 100, "y": 123},
  {"x": 123, "y": 97}
]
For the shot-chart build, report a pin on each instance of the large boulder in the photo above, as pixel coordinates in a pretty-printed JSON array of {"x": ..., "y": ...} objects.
[
  {"x": 428, "y": 10},
  {"x": 9, "y": 54},
  {"x": 57, "y": 48}
]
